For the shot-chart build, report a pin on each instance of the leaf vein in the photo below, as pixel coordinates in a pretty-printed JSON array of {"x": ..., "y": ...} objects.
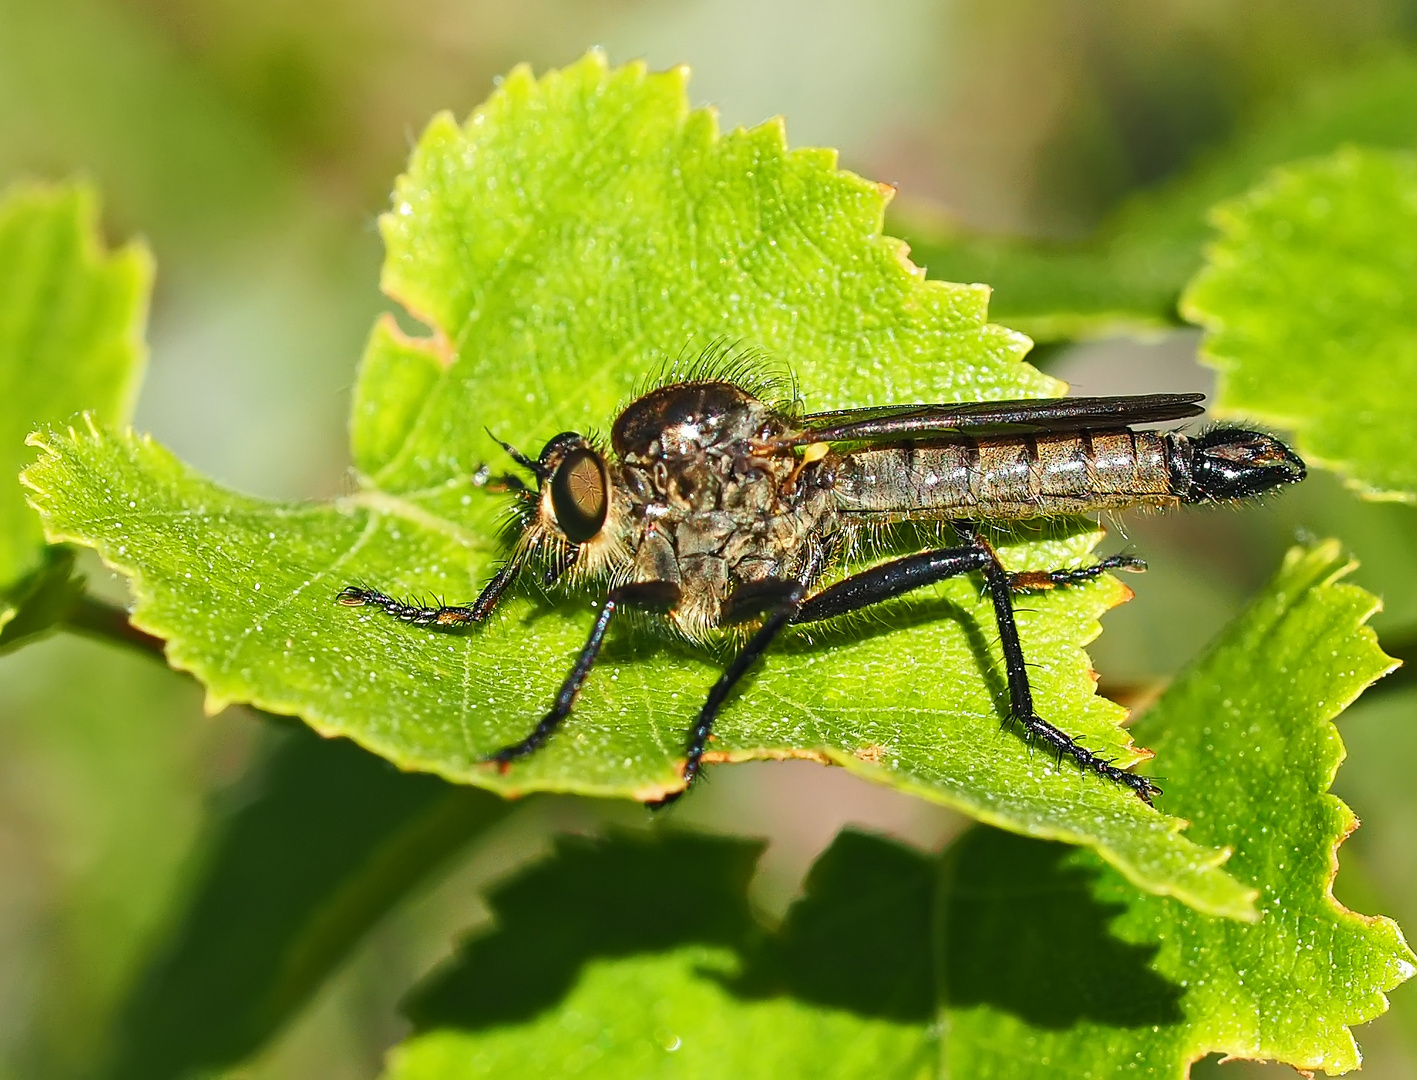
[{"x": 370, "y": 528}]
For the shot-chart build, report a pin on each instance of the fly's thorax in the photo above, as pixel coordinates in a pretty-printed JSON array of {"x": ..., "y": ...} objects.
[
  {"x": 712, "y": 524},
  {"x": 719, "y": 512},
  {"x": 681, "y": 420},
  {"x": 692, "y": 448},
  {"x": 1011, "y": 477}
]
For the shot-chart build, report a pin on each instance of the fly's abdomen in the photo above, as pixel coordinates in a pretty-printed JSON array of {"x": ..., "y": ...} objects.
[{"x": 1016, "y": 477}]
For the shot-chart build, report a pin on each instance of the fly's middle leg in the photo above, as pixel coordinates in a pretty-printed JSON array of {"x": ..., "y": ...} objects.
[
  {"x": 657, "y": 596},
  {"x": 777, "y": 601}
]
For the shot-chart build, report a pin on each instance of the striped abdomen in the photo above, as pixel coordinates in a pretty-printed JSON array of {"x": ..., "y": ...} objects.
[{"x": 1010, "y": 477}]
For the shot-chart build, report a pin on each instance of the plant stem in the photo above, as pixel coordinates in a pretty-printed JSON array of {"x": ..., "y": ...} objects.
[{"x": 108, "y": 622}]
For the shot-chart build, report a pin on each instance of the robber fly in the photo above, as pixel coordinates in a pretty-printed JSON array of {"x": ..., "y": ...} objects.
[{"x": 717, "y": 511}]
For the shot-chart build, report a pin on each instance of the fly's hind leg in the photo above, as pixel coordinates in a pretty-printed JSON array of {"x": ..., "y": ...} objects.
[
  {"x": 903, "y": 575},
  {"x": 1001, "y": 585}
]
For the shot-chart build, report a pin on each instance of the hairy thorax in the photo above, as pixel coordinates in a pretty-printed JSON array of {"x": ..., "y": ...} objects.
[{"x": 705, "y": 510}]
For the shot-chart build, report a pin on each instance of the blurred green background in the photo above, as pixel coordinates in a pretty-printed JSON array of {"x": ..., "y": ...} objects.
[{"x": 253, "y": 143}]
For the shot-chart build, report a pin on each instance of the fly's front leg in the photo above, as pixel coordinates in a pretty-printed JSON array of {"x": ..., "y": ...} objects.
[
  {"x": 436, "y": 614},
  {"x": 655, "y": 596},
  {"x": 1000, "y": 584}
]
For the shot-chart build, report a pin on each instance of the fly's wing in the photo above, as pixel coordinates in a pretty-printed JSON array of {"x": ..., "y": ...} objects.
[{"x": 1035, "y": 416}]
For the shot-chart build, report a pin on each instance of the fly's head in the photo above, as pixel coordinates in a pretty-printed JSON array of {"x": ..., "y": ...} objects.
[
  {"x": 1237, "y": 463},
  {"x": 574, "y": 520}
]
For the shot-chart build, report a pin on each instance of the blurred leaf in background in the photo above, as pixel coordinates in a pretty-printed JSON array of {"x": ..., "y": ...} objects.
[
  {"x": 325, "y": 840},
  {"x": 1129, "y": 275},
  {"x": 1051, "y": 113},
  {"x": 79, "y": 876},
  {"x": 252, "y": 322},
  {"x": 105, "y": 765},
  {"x": 1313, "y": 283},
  {"x": 71, "y": 338}
]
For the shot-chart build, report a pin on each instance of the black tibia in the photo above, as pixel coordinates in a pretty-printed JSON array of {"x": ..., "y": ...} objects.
[
  {"x": 655, "y": 596},
  {"x": 493, "y": 591},
  {"x": 777, "y": 601},
  {"x": 1000, "y": 587},
  {"x": 436, "y": 614}
]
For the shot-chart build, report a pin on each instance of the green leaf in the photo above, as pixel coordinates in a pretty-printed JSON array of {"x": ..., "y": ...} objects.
[
  {"x": 1130, "y": 274},
  {"x": 39, "y": 603},
  {"x": 1309, "y": 300},
  {"x": 639, "y": 957},
  {"x": 327, "y": 839},
  {"x": 572, "y": 235},
  {"x": 71, "y": 338},
  {"x": 113, "y": 766},
  {"x": 1054, "y": 966},
  {"x": 89, "y": 88}
]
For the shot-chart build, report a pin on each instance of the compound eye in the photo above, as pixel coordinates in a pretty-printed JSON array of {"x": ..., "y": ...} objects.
[{"x": 578, "y": 495}]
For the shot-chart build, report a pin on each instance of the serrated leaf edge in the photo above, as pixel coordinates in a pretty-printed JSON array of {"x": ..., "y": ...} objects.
[{"x": 522, "y": 77}]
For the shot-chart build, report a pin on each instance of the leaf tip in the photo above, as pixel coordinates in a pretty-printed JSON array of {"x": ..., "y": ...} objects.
[
  {"x": 1238, "y": 902},
  {"x": 901, "y": 250}
]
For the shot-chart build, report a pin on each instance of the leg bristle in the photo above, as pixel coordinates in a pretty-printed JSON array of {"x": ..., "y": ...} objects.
[{"x": 1061, "y": 744}]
